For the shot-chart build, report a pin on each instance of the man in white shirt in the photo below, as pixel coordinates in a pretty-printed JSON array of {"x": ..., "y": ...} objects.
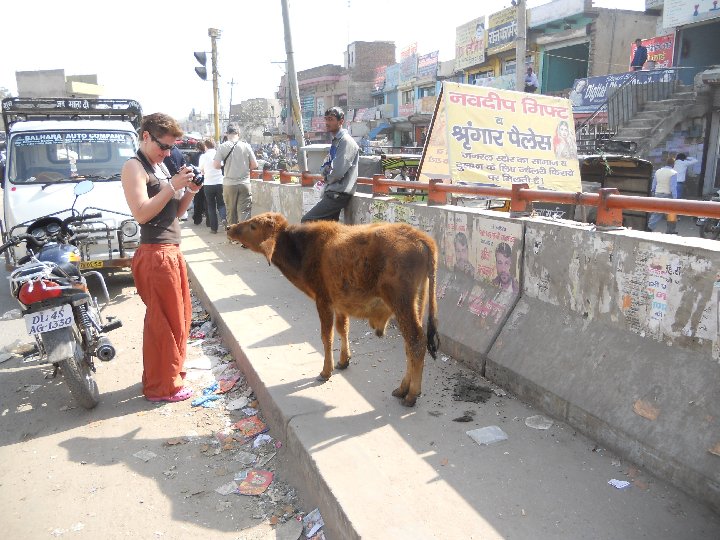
[{"x": 682, "y": 162}]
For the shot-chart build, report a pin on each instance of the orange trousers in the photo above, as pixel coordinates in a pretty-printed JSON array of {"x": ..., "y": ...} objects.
[{"x": 161, "y": 280}]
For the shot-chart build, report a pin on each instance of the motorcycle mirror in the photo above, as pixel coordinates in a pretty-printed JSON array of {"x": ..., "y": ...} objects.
[{"x": 81, "y": 188}]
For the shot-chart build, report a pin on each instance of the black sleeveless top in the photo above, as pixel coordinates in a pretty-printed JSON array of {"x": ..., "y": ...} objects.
[{"x": 164, "y": 228}]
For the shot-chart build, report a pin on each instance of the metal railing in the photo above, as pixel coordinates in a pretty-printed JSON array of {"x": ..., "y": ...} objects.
[
  {"x": 622, "y": 105},
  {"x": 608, "y": 201}
]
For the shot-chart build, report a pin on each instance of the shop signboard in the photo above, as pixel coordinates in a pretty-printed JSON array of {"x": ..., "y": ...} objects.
[
  {"x": 408, "y": 63},
  {"x": 587, "y": 95},
  {"x": 470, "y": 44},
  {"x": 682, "y": 12},
  {"x": 502, "y": 30},
  {"x": 379, "y": 81},
  {"x": 318, "y": 124},
  {"x": 392, "y": 77},
  {"x": 406, "y": 110},
  {"x": 500, "y": 138},
  {"x": 427, "y": 65}
]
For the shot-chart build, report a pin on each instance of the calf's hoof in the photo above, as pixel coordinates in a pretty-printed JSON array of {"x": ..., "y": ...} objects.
[
  {"x": 399, "y": 393},
  {"x": 340, "y": 365},
  {"x": 408, "y": 402},
  {"x": 322, "y": 378}
]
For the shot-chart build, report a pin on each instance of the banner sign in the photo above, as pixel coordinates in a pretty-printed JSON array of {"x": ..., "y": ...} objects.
[
  {"x": 392, "y": 77},
  {"x": 500, "y": 138},
  {"x": 682, "y": 12},
  {"x": 317, "y": 124},
  {"x": 408, "y": 63},
  {"x": 427, "y": 65},
  {"x": 379, "y": 80},
  {"x": 660, "y": 50},
  {"x": 504, "y": 82},
  {"x": 470, "y": 44},
  {"x": 502, "y": 30},
  {"x": 589, "y": 94},
  {"x": 406, "y": 110}
]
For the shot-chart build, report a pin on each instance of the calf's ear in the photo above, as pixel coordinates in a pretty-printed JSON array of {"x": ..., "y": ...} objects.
[{"x": 267, "y": 247}]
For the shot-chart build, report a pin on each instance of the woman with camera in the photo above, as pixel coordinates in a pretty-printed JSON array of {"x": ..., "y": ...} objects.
[{"x": 157, "y": 199}]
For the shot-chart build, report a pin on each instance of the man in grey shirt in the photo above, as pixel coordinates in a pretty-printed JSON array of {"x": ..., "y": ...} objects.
[
  {"x": 239, "y": 159},
  {"x": 340, "y": 170}
]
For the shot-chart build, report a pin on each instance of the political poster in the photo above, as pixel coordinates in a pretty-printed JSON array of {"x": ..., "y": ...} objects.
[
  {"x": 499, "y": 138},
  {"x": 660, "y": 51}
]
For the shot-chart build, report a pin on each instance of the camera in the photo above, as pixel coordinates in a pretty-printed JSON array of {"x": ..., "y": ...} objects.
[{"x": 198, "y": 176}]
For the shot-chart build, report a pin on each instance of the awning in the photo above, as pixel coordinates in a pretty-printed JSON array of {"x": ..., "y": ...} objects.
[{"x": 376, "y": 130}]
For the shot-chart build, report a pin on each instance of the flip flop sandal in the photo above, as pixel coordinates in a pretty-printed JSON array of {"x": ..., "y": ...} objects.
[{"x": 181, "y": 395}]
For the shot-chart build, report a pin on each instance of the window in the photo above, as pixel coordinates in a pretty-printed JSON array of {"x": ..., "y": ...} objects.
[
  {"x": 426, "y": 91},
  {"x": 408, "y": 97}
]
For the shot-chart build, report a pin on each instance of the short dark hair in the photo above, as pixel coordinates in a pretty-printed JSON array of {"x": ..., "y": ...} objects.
[
  {"x": 503, "y": 248},
  {"x": 337, "y": 112},
  {"x": 681, "y": 156},
  {"x": 232, "y": 128},
  {"x": 638, "y": 39}
]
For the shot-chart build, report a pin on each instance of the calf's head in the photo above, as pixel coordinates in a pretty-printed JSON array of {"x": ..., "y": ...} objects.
[{"x": 259, "y": 233}]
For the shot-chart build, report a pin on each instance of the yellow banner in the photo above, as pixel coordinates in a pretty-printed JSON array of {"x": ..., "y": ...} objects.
[{"x": 500, "y": 137}]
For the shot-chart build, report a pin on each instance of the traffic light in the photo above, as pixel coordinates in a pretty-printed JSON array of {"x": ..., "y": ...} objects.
[{"x": 201, "y": 71}]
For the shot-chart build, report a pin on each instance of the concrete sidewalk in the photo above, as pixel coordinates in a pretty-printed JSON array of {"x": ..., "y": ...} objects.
[{"x": 378, "y": 470}]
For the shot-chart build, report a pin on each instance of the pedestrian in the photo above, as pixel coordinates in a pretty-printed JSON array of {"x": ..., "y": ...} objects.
[
  {"x": 682, "y": 162},
  {"x": 199, "y": 203},
  {"x": 213, "y": 187},
  {"x": 236, "y": 159},
  {"x": 157, "y": 199},
  {"x": 640, "y": 56},
  {"x": 340, "y": 170},
  {"x": 365, "y": 142},
  {"x": 531, "y": 81},
  {"x": 664, "y": 185}
]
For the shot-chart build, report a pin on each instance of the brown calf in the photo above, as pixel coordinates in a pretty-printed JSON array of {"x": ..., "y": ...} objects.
[{"x": 365, "y": 271}]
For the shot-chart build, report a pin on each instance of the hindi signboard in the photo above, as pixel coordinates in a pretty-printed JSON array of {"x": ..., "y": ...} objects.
[
  {"x": 500, "y": 138},
  {"x": 660, "y": 50},
  {"x": 682, "y": 12},
  {"x": 502, "y": 30},
  {"x": 470, "y": 44},
  {"x": 427, "y": 65}
]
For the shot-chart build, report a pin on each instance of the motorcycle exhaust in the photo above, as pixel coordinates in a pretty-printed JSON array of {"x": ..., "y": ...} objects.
[{"x": 105, "y": 350}]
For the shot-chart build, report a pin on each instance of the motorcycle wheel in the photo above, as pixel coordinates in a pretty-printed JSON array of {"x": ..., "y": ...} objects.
[
  {"x": 76, "y": 372},
  {"x": 710, "y": 229}
]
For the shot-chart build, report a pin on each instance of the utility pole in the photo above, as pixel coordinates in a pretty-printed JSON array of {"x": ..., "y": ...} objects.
[
  {"x": 214, "y": 34},
  {"x": 520, "y": 44},
  {"x": 293, "y": 86},
  {"x": 231, "y": 83}
]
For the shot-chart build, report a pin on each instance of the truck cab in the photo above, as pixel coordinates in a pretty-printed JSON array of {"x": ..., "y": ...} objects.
[{"x": 54, "y": 143}]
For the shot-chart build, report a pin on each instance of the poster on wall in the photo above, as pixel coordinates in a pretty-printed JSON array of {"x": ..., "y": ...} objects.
[
  {"x": 660, "y": 51},
  {"x": 499, "y": 138},
  {"x": 481, "y": 257}
]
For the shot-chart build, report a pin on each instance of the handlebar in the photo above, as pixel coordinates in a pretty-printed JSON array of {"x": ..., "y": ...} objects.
[
  {"x": 83, "y": 217},
  {"x": 15, "y": 240}
]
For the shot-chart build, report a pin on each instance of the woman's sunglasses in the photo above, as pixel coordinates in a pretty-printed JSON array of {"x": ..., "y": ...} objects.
[{"x": 164, "y": 147}]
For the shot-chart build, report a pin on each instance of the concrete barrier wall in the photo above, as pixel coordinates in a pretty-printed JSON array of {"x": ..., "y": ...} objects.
[{"x": 616, "y": 333}]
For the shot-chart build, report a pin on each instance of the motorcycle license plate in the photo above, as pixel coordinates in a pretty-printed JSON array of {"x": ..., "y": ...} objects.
[{"x": 49, "y": 319}]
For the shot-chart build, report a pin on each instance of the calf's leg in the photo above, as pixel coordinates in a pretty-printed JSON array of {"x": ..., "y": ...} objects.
[
  {"x": 326, "y": 331},
  {"x": 342, "y": 325},
  {"x": 406, "y": 313}
]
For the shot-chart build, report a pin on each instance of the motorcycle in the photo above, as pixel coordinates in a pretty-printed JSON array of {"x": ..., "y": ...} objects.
[
  {"x": 59, "y": 311},
  {"x": 710, "y": 227}
]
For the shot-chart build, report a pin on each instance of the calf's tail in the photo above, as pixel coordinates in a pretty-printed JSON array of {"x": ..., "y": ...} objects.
[{"x": 433, "y": 338}]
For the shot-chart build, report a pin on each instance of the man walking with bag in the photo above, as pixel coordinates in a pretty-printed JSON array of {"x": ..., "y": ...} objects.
[
  {"x": 235, "y": 158},
  {"x": 340, "y": 170}
]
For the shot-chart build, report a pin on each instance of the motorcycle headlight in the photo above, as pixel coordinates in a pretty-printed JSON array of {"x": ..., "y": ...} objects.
[{"x": 129, "y": 229}]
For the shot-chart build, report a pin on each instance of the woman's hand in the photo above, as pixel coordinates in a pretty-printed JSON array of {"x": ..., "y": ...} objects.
[{"x": 183, "y": 179}]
